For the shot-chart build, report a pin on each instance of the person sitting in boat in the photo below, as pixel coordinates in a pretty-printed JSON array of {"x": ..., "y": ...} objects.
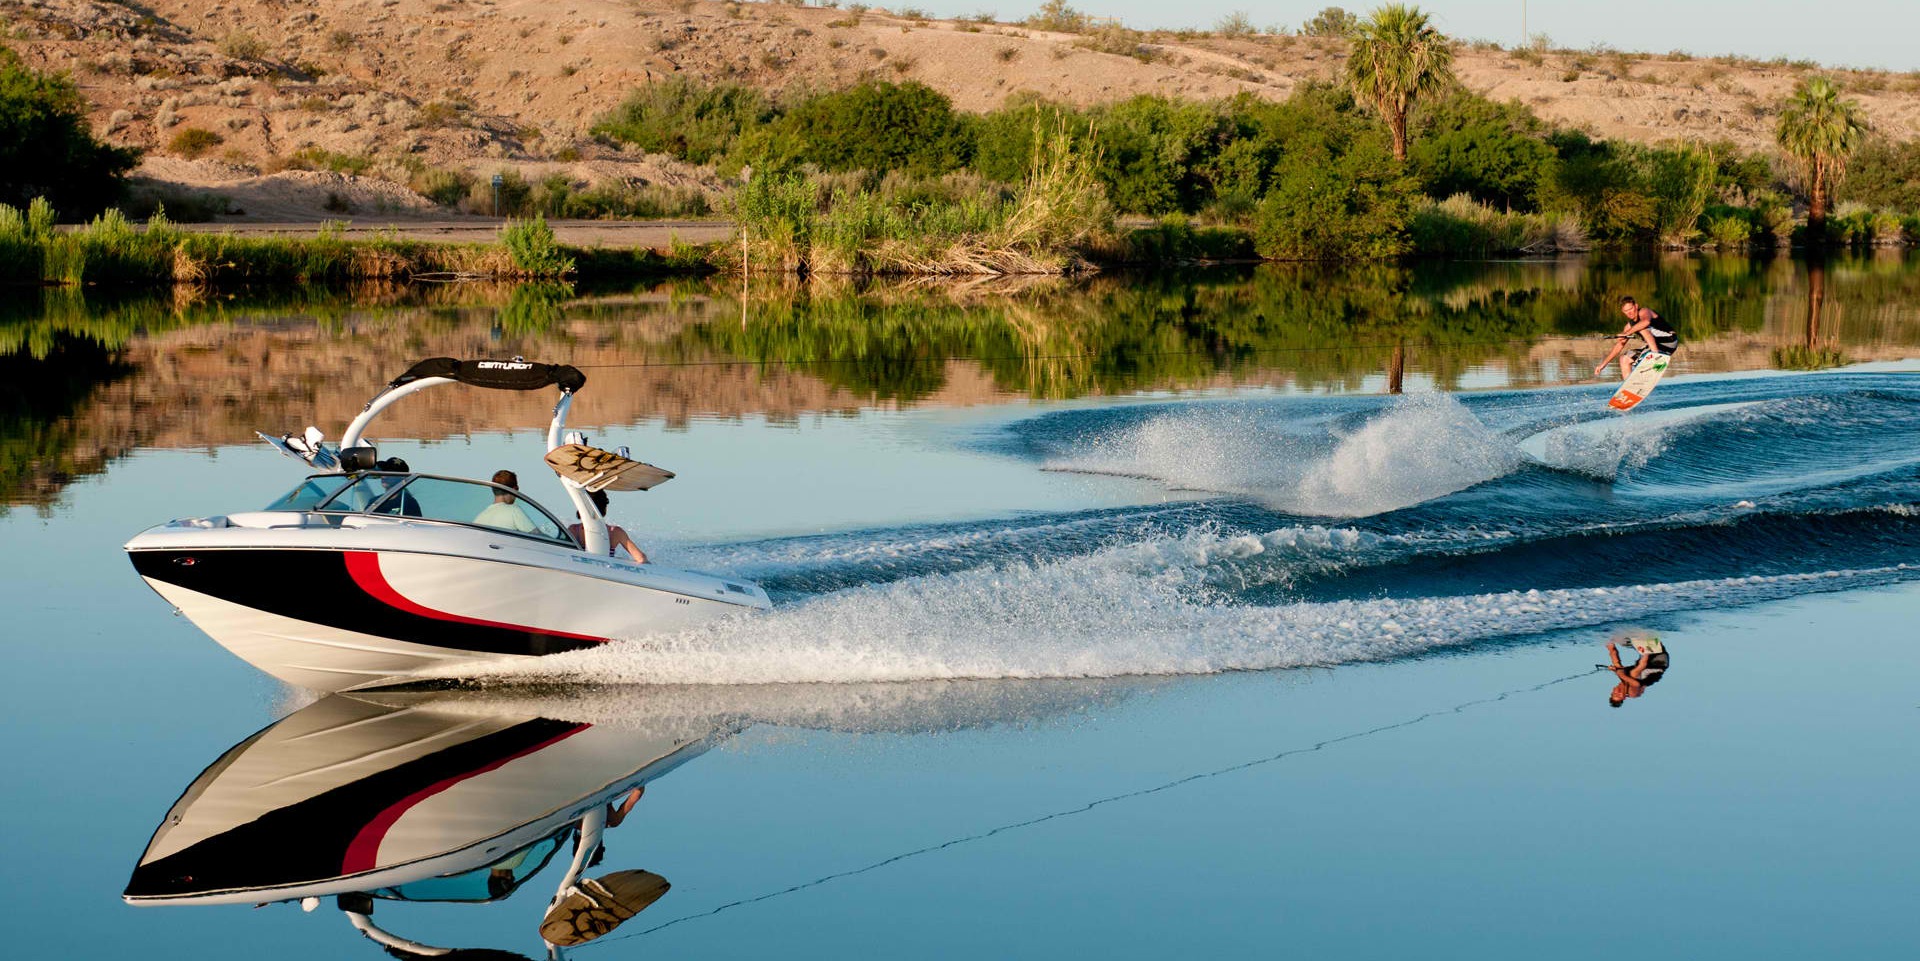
[
  {"x": 505, "y": 513},
  {"x": 616, "y": 536},
  {"x": 395, "y": 468},
  {"x": 1644, "y": 673}
]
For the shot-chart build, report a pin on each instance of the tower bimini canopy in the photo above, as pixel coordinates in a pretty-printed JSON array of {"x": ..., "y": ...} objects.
[
  {"x": 513, "y": 374},
  {"x": 517, "y": 373}
]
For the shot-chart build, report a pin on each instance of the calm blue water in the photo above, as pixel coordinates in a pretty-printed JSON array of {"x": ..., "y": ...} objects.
[{"x": 1236, "y": 672}]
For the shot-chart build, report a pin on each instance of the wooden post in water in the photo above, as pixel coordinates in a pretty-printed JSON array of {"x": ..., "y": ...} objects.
[
  {"x": 1397, "y": 368},
  {"x": 1816, "y": 299}
]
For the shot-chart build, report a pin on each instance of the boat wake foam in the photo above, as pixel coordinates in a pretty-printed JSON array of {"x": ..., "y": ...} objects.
[
  {"x": 1150, "y": 608},
  {"x": 1422, "y": 447}
]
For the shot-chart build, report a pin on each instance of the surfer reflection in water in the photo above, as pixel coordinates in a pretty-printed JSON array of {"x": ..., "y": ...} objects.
[{"x": 1642, "y": 674}]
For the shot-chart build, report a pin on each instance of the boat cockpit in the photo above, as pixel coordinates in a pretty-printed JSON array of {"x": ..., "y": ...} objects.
[{"x": 428, "y": 497}]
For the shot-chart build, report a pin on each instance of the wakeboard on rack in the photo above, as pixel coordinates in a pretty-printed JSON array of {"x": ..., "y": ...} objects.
[
  {"x": 602, "y": 470},
  {"x": 1640, "y": 382}
]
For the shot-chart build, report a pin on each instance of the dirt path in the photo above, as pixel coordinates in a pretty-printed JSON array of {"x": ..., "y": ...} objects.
[{"x": 582, "y": 233}]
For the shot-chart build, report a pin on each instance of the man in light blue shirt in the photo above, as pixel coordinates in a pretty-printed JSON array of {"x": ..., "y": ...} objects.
[{"x": 504, "y": 513}]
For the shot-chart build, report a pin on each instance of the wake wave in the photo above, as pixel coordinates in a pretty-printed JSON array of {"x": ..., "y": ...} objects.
[
  {"x": 1420, "y": 448},
  {"x": 1224, "y": 584},
  {"x": 1141, "y": 609}
]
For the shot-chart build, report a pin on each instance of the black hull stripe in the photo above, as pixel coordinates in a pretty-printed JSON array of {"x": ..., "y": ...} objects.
[{"x": 317, "y": 586}]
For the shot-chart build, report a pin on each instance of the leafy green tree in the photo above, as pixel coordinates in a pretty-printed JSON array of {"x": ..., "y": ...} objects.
[
  {"x": 1495, "y": 152},
  {"x": 46, "y": 149},
  {"x": 1398, "y": 58},
  {"x": 1820, "y": 132}
]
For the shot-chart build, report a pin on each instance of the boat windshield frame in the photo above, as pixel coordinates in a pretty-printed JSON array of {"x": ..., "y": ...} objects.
[{"x": 372, "y": 509}]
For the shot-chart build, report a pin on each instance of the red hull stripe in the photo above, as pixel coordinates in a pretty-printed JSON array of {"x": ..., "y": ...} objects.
[
  {"x": 364, "y": 850},
  {"x": 364, "y": 568}
]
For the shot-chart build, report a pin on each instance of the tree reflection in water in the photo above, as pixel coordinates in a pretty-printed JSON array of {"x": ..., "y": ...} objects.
[{"x": 94, "y": 375}]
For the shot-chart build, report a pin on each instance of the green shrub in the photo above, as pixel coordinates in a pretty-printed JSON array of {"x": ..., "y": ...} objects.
[
  {"x": 46, "y": 146},
  {"x": 1729, "y": 231},
  {"x": 1352, "y": 206},
  {"x": 1680, "y": 180},
  {"x": 191, "y": 142},
  {"x": 1495, "y": 152},
  {"x": 1884, "y": 173},
  {"x": 1174, "y": 240},
  {"x": 1601, "y": 184},
  {"x": 878, "y": 126},
  {"x": 515, "y": 195},
  {"x": 1460, "y": 226},
  {"x": 241, "y": 45},
  {"x": 1887, "y": 227},
  {"x": 1003, "y": 139},
  {"x": 24, "y": 235},
  {"x": 316, "y": 158},
  {"x": 1331, "y": 22},
  {"x": 444, "y": 187},
  {"x": 686, "y": 119},
  {"x": 775, "y": 213},
  {"x": 535, "y": 252},
  {"x": 1153, "y": 151},
  {"x": 1058, "y": 16}
]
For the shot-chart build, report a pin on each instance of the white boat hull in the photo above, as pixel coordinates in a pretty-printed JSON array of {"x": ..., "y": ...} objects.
[{"x": 345, "y": 609}]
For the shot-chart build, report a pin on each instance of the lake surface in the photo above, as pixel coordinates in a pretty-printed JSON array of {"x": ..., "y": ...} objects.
[{"x": 1128, "y": 617}]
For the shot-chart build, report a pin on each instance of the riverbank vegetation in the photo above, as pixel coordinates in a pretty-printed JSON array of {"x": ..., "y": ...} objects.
[
  {"x": 113, "y": 250},
  {"x": 1396, "y": 159}
]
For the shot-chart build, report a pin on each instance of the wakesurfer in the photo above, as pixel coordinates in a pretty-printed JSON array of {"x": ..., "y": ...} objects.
[
  {"x": 1641, "y": 674},
  {"x": 1642, "y": 322}
]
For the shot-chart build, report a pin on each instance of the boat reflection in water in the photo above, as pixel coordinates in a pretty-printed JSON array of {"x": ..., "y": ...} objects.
[
  {"x": 416, "y": 798},
  {"x": 466, "y": 795}
]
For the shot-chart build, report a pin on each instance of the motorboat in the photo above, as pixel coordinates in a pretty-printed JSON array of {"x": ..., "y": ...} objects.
[
  {"x": 357, "y": 799},
  {"x": 368, "y": 573}
]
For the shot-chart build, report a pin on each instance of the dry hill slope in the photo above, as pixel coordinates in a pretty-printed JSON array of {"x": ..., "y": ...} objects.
[{"x": 484, "y": 84}]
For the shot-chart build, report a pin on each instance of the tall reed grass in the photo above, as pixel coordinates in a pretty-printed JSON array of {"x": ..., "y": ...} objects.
[
  {"x": 111, "y": 249},
  {"x": 1460, "y": 226},
  {"x": 959, "y": 224}
]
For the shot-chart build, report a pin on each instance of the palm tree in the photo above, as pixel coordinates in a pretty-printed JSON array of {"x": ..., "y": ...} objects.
[
  {"x": 1398, "y": 57},
  {"x": 1819, "y": 131}
]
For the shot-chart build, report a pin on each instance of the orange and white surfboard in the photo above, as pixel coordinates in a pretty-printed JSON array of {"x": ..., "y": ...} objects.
[{"x": 1646, "y": 375}]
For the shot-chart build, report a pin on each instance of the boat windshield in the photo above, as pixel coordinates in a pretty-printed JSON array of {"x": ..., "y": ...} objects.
[
  {"x": 367, "y": 490},
  {"x": 311, "y": 492},
  {"x": 473, "y": 502}
]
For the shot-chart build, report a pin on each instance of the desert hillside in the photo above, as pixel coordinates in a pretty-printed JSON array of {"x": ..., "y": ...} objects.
[{"x": 492, "y": 84}]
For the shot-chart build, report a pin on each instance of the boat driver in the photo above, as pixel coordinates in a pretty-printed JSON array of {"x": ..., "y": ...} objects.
[{"x": 504, "y": 513}]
